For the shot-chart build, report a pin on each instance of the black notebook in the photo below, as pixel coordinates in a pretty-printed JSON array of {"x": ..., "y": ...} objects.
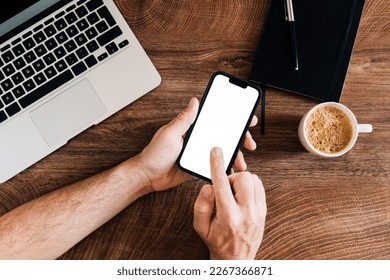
[{"x": 325, "y": 32}]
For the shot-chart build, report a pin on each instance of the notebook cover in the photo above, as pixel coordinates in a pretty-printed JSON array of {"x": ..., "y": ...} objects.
[{"x": 326, "y": 32}]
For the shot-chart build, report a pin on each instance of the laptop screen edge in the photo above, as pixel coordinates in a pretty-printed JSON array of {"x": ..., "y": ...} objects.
[{"x": 34, "y": 19}]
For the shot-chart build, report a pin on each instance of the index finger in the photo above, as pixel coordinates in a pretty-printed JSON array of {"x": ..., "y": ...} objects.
[{"x": 224, "y": 198}]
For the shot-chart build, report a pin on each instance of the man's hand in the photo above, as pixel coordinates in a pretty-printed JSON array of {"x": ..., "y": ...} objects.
[
  {"x": 158, "y": 160},
  {"x": 229, "y": 215}
]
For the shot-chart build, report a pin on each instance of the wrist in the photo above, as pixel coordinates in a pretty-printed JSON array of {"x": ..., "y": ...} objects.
[{"x": 131, "y": 172}]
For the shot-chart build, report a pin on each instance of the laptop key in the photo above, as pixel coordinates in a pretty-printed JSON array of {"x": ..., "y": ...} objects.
[
  {"x": 60, "y": 65},
  {"x": 50, "y": 72},
  {"x": 60, "y": 14},
  {"x": 91, "y": 33},
  {"x": 80, "y": 2},
  {"x": 38, "y": 65},
  {"x": 91, "y": 61},
  {"x": 49, "y": 58},
  {"x": 101, "y": 26},
  {"x": 7, "y": 98},
  {"x": 61, "y": 37},
  {"x": 3, "y": 116},
  {"x": 70, "y": 8},
  {"x": 47, "y": 22},
  {"x": 30, "y": 56},
  {"x": 72, "y": 31},
  {"x": 40, "y": 50},
  {"x": 70, "y": 46},
  {"x": 112, "y": 48},
  {"x": 7, "y": 56},
  {"x": 12, "y": 109},
  {"x": 92, "y": 46},
  {"x": 51, "y": 44},
  {"x": 18, "y": 91},
  {"x": 19, "y": 63},
  {"x": 17, "y": 40},
  {"x": 39, "y": 79},
  {"x": 71, "y": 18},
  {"x": 18, "y": 50},
  {"x": 60, "y": 24},
  {"x": 29, "y": 43},
  {"x": 79, "y": 68},
  {"x": 81, "y": 39},
  {"x": 39, "y": 37},
  {"x": 8, "y": 69},
  {"x": 93, "y": 18},
  {"x": 105, "y": 13},
  {"x": 71, "y": 59},
  {"x": 29, "y": 85},
  {"x": 82, "y": 24},
  {"x": 28, "y": 72},
  {"x": 123, "y": 44},
  {"x": 102, "y": 56},
  {"x": 7, "y": 85},
  {"x": 82, "y": 52},
  {"x": 81, "y": 11},
  {"x": 37, "y": 28},
  {"x": 94, "y": 4},
  {"x": 50, "y": 31},
  {"x": 110, "y": 35},
  {"x": 17, "y": 78},
  {"x": 27, "y": 34},
  {"x": 6, "y": 47},
  {"x": 46, "y": 88},
  {"x": 59, "y": 52}
]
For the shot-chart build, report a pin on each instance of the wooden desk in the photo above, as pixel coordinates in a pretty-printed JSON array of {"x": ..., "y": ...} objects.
[{"x": 317, "y": 208}]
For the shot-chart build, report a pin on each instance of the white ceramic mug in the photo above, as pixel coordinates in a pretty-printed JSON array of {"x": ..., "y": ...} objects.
[{"x": 356, "y": 129}]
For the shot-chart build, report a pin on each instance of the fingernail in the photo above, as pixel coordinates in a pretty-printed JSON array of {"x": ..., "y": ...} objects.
[
  {"x": 217, "y": 151},
  {"x": 207, "y": 192}
]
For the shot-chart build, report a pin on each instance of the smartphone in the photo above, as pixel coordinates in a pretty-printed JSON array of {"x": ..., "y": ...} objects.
[{"x": 224, "y": 116}]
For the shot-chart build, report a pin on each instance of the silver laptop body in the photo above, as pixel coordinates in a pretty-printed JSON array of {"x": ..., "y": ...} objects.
[{"x": 64, "y": 66}]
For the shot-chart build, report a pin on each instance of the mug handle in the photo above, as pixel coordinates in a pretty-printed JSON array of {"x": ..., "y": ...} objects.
[{"x": 364, "y": 128}]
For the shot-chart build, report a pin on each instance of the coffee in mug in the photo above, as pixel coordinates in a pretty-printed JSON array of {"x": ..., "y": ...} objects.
[{"x": 330, "y": 129}]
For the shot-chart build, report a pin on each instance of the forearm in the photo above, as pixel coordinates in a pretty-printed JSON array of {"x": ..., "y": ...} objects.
[{"x": 47, "y": 227}]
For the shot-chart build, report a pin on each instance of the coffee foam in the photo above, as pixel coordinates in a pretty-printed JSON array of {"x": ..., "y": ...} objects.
[{"x": 329, "y": 129}]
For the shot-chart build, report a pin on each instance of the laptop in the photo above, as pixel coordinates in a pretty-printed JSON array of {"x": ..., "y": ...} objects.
[{"x": 64, "y": 66}]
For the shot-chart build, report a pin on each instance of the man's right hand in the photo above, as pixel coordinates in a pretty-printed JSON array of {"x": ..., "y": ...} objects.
[{"x": 229, "y": 215}]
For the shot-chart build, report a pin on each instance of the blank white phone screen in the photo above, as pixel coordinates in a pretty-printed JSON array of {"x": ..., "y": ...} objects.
[{"x": 221, "y": 123}]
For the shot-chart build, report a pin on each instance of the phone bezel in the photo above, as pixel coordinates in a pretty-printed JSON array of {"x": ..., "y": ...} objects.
[{"x": 236, "y": 82}]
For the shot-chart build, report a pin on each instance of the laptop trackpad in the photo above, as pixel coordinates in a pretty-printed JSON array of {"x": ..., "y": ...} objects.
[{"x": 68, "y": 113}]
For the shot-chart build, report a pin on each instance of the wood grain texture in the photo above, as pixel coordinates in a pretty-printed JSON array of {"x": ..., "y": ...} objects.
[{"x": 317, "y": 208}]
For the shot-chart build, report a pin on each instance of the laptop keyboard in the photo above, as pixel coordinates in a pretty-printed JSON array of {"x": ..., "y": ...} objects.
[{"x": 55, "y": 52}]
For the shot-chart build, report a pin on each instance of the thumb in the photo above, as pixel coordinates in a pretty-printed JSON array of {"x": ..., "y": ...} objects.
[
  {"x": 182, "y": 122},
  {"x": 203, "y": 211}
]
